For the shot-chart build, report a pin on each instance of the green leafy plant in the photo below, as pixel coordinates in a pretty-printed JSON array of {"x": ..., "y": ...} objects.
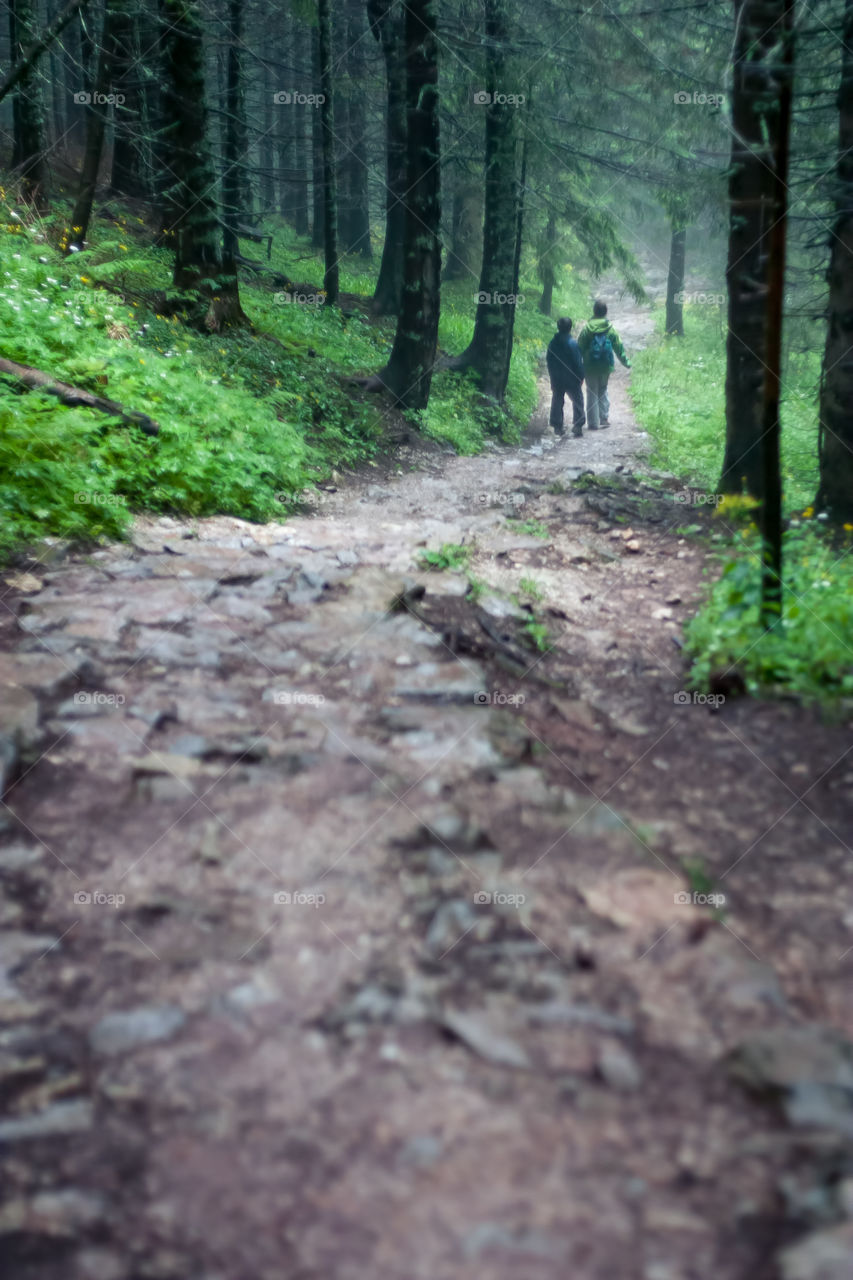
[
  {"x": 808, "y": 654},
  {"x": 531, "y": 528},
  {"x": 450, "y": 555},
  {"x": 531, "y": 588},
  {"x": 537, "y": 634}
]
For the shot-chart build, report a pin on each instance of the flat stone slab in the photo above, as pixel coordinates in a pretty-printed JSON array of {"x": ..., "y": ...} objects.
[{"x": 119, "y": 1032}]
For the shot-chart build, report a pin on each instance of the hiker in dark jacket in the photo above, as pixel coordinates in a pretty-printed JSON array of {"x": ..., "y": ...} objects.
[
  {"x": 598, "y": 343},
  {"x": 565, "y": 369}
]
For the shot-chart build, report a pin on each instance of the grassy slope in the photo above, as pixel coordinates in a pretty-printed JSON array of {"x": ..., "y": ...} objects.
[
  {"x": 678, "y": 389},
  {"x": 678, "y": 393},
  {"x": 246, "y": 423}
]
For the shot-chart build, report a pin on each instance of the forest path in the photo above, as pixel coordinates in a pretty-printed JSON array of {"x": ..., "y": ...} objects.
[{"x": 348, "y": 942}]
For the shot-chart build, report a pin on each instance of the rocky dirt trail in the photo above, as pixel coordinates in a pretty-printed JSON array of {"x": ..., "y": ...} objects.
[{"x": 348, "y": 936}]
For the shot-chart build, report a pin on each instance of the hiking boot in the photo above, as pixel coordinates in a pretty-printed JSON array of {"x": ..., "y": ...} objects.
[
  {"x": 577, "y": 431},
  {"x": 605, "y": 422},
  {"x": 559, "y": 431}
]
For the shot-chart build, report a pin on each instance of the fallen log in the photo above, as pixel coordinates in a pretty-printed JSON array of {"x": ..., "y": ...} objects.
[{"x": 35, "y": 380}]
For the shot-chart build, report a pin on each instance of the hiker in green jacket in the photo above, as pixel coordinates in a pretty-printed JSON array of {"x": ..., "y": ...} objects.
[{"x": 598, "y": 342}]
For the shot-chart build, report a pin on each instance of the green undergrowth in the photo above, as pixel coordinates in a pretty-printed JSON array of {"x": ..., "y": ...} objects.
[
  {"x": 247, "y": 419},
  {"x": 678, "y": 392},
  {"x": 808, "y": 653}
]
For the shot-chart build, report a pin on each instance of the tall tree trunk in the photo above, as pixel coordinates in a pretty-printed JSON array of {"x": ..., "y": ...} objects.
[
  {"x": 128, "y": 173},
  {"x": 547, "y": 266},
  {"x": 750, "y": 197},
  {"x": 317, "y": 197},
  {"x": 356, "y": 236},
  {"x": 28, "y": 149},
  {"x": 779, "y": 118},
  {"x": 234, "y": 200},
  {"x": 98, "y": 110},
  {"x": 486, "y": 352},
  {"x": 36, "y": 47},
  {"x": 835, "y": 492},
  {"x": 466, "y": 223},
  {"x": 386, "y": 21},
  {"x": 266, "y": 186},
  {"x": 516, "y": 270},
  {"x": 164, "y": 181},
  {"x": 298, "y": 210},
  {"x": 57, "y": 101},
  {"x": 675, "y": 279},
  {"x": 73, "y": 83},
  {"x": 199, "y": 266},
  {"x": 330, "y": 198},
  {"x": 408, "y": 373}
]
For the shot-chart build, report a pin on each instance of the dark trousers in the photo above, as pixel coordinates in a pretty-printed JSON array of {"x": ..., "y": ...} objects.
[{"x": 558, "y": 394}]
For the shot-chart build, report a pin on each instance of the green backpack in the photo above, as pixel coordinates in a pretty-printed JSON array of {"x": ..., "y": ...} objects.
[{"x": 600, "y": 349}]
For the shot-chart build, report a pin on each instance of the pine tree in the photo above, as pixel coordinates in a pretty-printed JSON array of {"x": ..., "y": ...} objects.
[
  {"x": 408, "y": 373},
  {"x": 835, "y": 493}
]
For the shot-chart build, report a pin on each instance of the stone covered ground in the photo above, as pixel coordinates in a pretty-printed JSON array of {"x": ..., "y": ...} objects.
[{"x": 345, "y": 934}]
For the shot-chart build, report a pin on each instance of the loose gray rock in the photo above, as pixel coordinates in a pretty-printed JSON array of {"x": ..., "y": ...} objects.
[
  {"x": 118, "y": 1032},
  {"x": 584, "y": 1015},
  {"x": 477, "y": 1031},
  {"x": 825, "y": 1255},
  {"x": 808, "y": 1069},
  {"x": 618, "y": 1068},
  {"x": 782, "y": 1058},
  {"x": 487, "y": 1236},
  {"x": 17, "y": 857},
  {"x": 451, "y": 922},
  {"x": 53, "y": 1213},
  {"x": 442, "y": 682},
  {"x": 56, "y": 1121}
]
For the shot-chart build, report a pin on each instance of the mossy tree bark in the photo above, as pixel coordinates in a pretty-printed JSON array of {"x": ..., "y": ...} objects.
[
  {"x": 355, "y": 194},
  {"x": 28, "y": 122},
  {"x": 493, "y": 324},
  {"x": 97, "y": 111},
  {"x": 408, "y": 373},
  {"x": 195, "y": 228},
  {"x": 386, "y": 22},
  {"x": 754, "y": 97},
  {"x": 835, "y": 492},
  {"x": 236, "y": 188},
  {"x": 675, "y": 280},
  {"x": 327, "y": 116}
]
